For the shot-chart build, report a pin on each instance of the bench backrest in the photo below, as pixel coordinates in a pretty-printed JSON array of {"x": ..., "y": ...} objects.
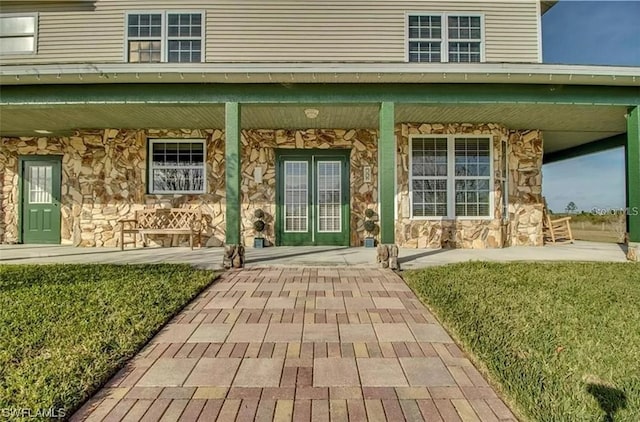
[{"x": 168, "y": 218}]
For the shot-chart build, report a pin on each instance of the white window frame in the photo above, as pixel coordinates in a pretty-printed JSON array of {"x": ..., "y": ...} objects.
[
  {"x": 435, "y": 178},
  {"x": 409, "y": 40},
  {"x": 161, "y": 38},
  {"x": 164, "y": 38},
  {"x": 444, "y": 36},
  {"x": 504, "y": 180},
  {"x": 151, "y": 167},
  {"x": 451, "y": 177},
  {"x": 35, "y": 34}
]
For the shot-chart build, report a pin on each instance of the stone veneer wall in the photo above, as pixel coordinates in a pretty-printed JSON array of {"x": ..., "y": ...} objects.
[
  {"x": 525, "y": 188},
  {"x": 104, "y": 177},
  {"x": 525, "y": 201},
  {"x": 259, "y": 150}
]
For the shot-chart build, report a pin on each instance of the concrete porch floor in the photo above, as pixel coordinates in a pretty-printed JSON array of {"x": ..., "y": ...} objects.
[{"x": 309, "y": 256}]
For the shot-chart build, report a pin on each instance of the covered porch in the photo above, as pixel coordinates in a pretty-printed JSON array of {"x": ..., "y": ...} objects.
[{"x": 246, "y": 123}]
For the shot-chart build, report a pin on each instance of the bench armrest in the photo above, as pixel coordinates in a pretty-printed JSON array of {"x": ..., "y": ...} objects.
[{"x": 131, "y": 222}]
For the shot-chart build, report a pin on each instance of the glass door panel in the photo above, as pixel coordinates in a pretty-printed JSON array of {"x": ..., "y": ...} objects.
[
  {"x": 296, "y": 196},
  {"x": 40, "y": 184},
  {"x": 329, "y": 199}
]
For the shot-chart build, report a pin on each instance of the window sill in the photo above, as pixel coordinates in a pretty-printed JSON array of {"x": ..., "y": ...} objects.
[
  {"x": 174, "y": 193},
  {"x": 18, "y": 53},
  {"x": 484, "y": 218}
]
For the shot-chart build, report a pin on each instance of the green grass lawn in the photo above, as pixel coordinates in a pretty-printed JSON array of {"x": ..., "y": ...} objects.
[
  {"x": 562, "y": 341},
  {"x": 65, "y": 329}
]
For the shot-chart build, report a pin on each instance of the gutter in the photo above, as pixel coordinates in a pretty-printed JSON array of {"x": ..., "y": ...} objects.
[{"x": 518, "y": 73}]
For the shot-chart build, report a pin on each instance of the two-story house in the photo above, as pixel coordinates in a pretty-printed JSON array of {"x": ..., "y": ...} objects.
[{"x": 437, "y": 115}]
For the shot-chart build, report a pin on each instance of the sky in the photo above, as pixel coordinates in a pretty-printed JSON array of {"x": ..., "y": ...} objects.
[{"x": 598, "y": 33}]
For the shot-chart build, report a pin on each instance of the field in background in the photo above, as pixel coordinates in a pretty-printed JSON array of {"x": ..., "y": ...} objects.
[{"x": 597, "y": 228}]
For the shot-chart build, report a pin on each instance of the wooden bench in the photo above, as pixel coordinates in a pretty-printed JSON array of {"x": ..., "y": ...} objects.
[{"x": 172, "y": 221}]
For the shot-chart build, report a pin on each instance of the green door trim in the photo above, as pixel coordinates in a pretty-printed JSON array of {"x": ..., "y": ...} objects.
[
  {"x": 343, "y": 237},
  {"x": 293, "y": 238},
  {"x": 321, "y": 155},
  {"x": 22, "y": 160}
]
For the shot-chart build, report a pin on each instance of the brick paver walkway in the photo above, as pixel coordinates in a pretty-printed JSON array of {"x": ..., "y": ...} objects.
[{"x": 300, "y": 344}]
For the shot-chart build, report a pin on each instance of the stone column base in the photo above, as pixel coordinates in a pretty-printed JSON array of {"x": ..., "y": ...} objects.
[
  {"x": 388, "y": 256},
  {"x": 633, "y": 251},
  {"x": 233, "y": 256}
]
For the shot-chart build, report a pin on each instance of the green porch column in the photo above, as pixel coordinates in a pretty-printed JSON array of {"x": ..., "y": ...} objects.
[
  {"x": 386, "y": 169},
  {"x": 387, "y": 251},
  {"x": 234, "y": 251},
  {"x": 632, "y": 157}
]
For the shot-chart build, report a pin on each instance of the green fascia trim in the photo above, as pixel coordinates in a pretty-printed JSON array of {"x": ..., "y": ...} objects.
[
  {"x": 232, "y": 172},
  {"x": 386, "y": 170},
  {"x": 600, "y": 145},
  {"x": 633, "y": 174},
  {"x": 319, "y": 93}
]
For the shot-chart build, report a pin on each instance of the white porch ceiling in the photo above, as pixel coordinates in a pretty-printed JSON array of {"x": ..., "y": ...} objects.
[{"x": 564, "y": 126}]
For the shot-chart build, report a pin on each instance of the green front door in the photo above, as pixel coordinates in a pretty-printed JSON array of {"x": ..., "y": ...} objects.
[
  {"x": 40, "y": 199},
  {"x": 312, "y": 197}
]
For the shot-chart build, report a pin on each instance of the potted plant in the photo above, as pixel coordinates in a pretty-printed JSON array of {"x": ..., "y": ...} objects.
[
  {"x": 258, "y": 226},
  {"x": 371, "y": 228}
]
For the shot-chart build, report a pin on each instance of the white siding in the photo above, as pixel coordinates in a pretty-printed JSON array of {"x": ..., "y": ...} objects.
[{"x": 277, "y": 31}]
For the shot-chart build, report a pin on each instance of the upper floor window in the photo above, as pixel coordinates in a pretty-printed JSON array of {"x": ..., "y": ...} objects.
[
  {"x": 164, "y": 37},
  {"x": 445, "y": 38},
  {"x": 18, "y": 34}
]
